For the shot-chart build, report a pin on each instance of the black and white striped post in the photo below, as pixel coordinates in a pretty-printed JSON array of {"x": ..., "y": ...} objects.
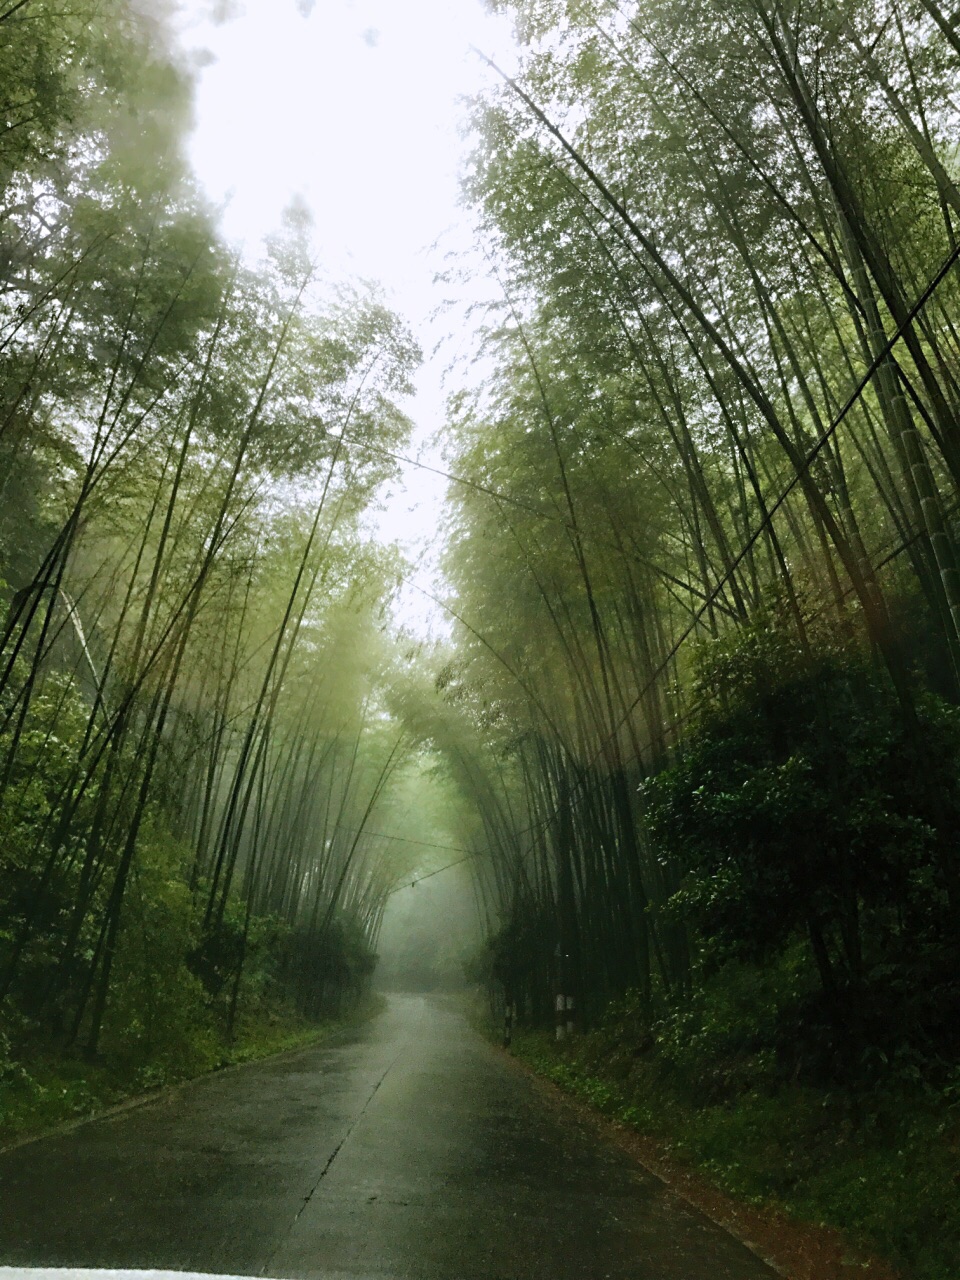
[
  {"x": 563, "y": 1005},
  {"x": 559, "y": 1003},
  {"x": 563, "y": 1001},
  {"x": 509, "y": 1018}
]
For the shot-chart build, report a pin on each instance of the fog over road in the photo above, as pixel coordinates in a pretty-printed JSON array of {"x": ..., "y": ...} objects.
[{"x": 406, "y": 1148}]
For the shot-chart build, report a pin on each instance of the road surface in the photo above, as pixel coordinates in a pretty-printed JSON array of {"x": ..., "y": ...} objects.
[{"x": 408, "y": 1148}]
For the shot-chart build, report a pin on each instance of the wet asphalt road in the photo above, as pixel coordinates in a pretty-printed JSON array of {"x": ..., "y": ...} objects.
[{"x": 409, "y": 1148}]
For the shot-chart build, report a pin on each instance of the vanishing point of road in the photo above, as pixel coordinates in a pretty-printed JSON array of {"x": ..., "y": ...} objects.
[{"x": 408, "y": 1148}]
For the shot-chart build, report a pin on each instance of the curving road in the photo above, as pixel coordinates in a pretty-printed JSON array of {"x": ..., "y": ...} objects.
[{"x": 409, "y": 1148}]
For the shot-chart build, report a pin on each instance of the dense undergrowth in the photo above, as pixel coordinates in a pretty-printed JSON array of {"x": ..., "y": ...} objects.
[
  {"x": 184, "y": 999},
  {"x": 191, "y": 608},
  {"x": 718, "y": 674},
  {"x": 48, "y": 1088},
  {"x": 880, "y": 1164},
  {"x": 806, "y": 1055}
]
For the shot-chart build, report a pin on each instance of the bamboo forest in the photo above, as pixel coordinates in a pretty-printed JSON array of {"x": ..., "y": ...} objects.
[{"x": 678, "y": 762}]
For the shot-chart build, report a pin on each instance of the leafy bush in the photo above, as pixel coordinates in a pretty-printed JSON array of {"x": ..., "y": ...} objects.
[
  {"x": 811, "y": 810},
  {"x": 159, "y": 1018},
  {"x": 882, "y": 1166}
]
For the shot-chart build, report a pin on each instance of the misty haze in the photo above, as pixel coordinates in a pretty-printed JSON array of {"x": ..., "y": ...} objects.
[{"x": 479, "y": 639}]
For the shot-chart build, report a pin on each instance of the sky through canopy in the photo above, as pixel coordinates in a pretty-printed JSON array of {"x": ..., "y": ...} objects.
[{"x": 356, "y": 107}]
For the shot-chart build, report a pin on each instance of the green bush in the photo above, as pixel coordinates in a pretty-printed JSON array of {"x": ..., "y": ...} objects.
[
  {"x": 159, "y": 1018},
  {"x": 813, "y": 815},
  {"x": 883, "y": 1168}
]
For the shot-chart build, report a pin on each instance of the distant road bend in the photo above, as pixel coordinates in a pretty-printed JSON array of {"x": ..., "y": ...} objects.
[{"x": 406, "y": 1149}]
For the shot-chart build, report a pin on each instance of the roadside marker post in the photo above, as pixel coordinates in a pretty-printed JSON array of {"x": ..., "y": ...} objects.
[
  {"x": 509, "y": 1017},
  {"x": 563, "y": 1004}
]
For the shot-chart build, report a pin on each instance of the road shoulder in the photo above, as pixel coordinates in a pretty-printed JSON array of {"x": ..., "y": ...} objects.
[{"x": 795, "y": 1250}]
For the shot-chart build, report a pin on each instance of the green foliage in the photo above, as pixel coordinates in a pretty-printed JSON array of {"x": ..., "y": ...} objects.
[
  {"x": 806, "y": 809},
  {"x": 329, "y": 970},
  {"x": 191, "y": 742},
  {"x": 159, "y": 1017},
  {"x": 881, "y": 1167},
  {"x": 52, "y": 1089},
  {"x": 709, "y": 390}
]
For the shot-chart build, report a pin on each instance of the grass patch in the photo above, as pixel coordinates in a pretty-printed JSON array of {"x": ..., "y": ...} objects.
[
  {"x": 47, "y": 1090},
  {"x": 885, "y": 1169}
]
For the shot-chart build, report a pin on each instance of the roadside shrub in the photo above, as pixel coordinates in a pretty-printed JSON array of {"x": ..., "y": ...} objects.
[
  {"x": 813, "y": 815},
  {"x": 158, "y": 1011}
]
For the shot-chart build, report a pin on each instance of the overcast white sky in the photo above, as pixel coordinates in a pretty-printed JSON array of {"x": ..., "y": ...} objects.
[{"x": 353, "y": 104}]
